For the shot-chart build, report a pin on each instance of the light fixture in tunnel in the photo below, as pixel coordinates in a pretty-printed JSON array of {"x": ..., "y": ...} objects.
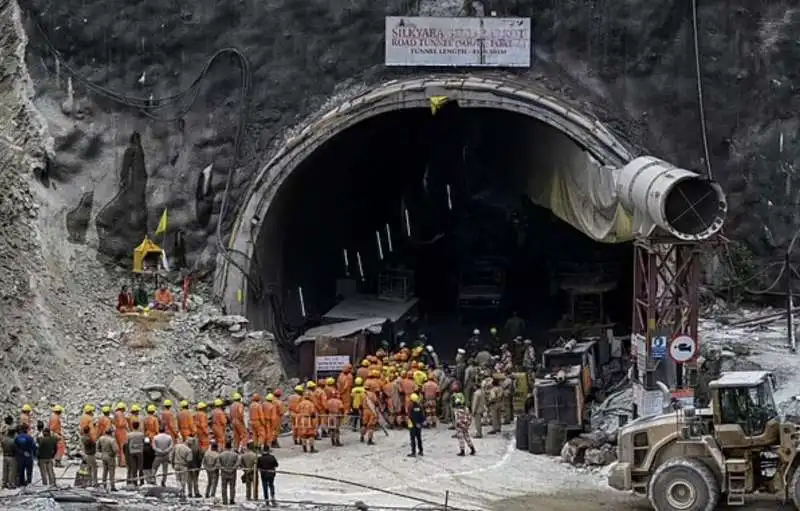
[
  {"x": 449, "y": 198},
  {"x": 408, "y": 222},
  {"x": 346, "y": 262},
  {"x": 389, "y": 238},
  {"x": 380, "y": 244},
  {"x": 360, "y": 266},
  {"x": 680, "y": 202},
  {"x": 302, "y": 300}
]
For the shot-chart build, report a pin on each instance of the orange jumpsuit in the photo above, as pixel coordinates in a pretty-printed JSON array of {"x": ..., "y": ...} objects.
[
  {"x": 369, "y": 421},
  {"x": 237, "y": 422},
  {"x": 388, "y": 389},
  {"x": 150, "y": 426},
  {"x": 335, "y": 409},
  {"x": 26, "y": 418},
  {"x": 258, "y": 424},
  {"x": 103, "y": 425},
  {"x": 408, "y": 387},
  {"x": 169, "y": 423},
  {"x": 363, "y": 372},
  {"x": 329, "y": 390},
  {"x": 87, "y": 421},
  {"x": 345, "y": 385},
  {"x": 186, "y": 424},
  {"x": 318, "y": 397},
  {"x": 219, "y": 421},
  {"x": 372, "y": 384},
  {"x": 294, "y": 401},
  {"x": 430, "y": 391},
  {"x": 134, "y": 417},
  {"x": 57, "y": 431},
  {"x": 201, "y": 427},
  {"x": 268, "y": 414},
  {"x": 307, "y": 418},
  {"x": 278, "y": 404},
  {"x": 121, "y": 434}
]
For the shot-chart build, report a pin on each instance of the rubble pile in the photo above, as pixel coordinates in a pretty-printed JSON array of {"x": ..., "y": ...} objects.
[{"x": 592, "y": 449}]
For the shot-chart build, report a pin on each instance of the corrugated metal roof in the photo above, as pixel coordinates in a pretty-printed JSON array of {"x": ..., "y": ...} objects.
[
  {"x": 344, "y": 329},
  {"x": 368, "y": 306}
]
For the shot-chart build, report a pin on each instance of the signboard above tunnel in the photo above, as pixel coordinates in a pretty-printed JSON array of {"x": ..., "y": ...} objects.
[{"x": 458, "y": 42}]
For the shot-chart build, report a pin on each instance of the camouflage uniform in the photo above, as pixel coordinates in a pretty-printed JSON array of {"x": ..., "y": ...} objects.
[{"x": 463, "y": 422}]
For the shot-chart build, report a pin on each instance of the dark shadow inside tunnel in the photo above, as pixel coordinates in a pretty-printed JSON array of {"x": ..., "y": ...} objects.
[{"x": 444, "y": 199}]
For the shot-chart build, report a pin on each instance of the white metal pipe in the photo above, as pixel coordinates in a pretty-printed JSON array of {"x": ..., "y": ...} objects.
[
  {"x": 346, "y": 262},
  {"x": 389, "y": 238},
  {"x": 449, "y": 198},
  {"x": 302, "y": 300},
  {"x": 380, "y": 244},
  {"x": 360, "y": 265},
  {"x": 408, "y": 222}
]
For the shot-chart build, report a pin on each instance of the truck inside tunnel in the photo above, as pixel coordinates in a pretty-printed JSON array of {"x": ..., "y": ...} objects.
[{"x": 443, "y": 205}]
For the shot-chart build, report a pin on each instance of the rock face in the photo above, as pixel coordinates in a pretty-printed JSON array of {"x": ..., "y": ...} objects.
[{"x": 632, "y": 65}]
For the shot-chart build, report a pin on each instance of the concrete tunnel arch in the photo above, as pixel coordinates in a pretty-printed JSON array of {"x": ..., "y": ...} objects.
[{"x": 231, "y": 283}]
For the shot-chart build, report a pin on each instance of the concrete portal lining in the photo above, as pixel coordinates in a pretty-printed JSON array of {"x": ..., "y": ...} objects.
[{"x": 472, "y": 92}]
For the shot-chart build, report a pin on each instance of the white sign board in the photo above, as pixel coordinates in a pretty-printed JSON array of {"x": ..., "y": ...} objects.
[
  {"x": 639, "y": 343},
  {"x": 652, "y": 403},
  {"x": 682, "y": 349},
  {"x": 332, "y": 363},
  {"x": 458, "y": 42}
]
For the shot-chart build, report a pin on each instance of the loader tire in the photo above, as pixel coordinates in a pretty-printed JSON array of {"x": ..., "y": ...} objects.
[
  {"x": 794, "y": 489},
  {"x": 683, "y": 484}
]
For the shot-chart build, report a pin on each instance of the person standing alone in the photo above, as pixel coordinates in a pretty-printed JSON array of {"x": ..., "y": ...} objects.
[
  {"x": 416, "y": 421},
  {"x": 267, "y": 465}
]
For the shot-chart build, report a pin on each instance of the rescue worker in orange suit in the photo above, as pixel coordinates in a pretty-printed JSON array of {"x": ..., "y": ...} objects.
[
  {"x": 388, "y": 394},
  {"x": 121, "y": 432},
  {"x": 408, "y": 387},
  {"x": 186, "y": 426},
  {"x": 357, "y": 396},
  {"x": 168, "y": 420},
  {"x": 87, "y": 421},
  {"x": 104, "y": 423},
  {"x": 398, "y": 402},
  {"x": 345, "y": 386},
  {"x": 150, "y": 425},
  {"x": 57, "y": 430},
  {"x": 335, "y": 413},
  {"x": 237, "y": 422},
  {"x": 26, "y": 416},
  {"x": 373, "y": 382},
  {"x": 201, "y": 426},
  {"x": 369, "y": 417},
  {"x": 279, "y": 411},
  {"x": 318, "y": 397},
  {"x": 219, "y": 422},
  {"x": 363, "y": 371},
  {"x": 258, "y": 422},
  {"x": 308, "y": 423},
  {"x": 330, "y": 387},
  {"x": 269, "y": 415},
  {"x": 134, "y": 417},
  {"x": 293, "y": 403},
  {"x": 430, "y": 393}
]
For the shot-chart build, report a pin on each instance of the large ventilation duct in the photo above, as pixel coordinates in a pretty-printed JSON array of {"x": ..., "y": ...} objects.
[{"x": 680, "y": 202}]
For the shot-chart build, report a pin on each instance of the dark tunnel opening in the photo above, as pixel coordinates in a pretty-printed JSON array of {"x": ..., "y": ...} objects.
[{"x": 478, "y": 248}]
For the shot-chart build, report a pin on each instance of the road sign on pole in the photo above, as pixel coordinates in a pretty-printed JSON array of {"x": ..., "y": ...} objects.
[
  {"x": 658, "y": 347},
  {"x": 683, "y": 348}
]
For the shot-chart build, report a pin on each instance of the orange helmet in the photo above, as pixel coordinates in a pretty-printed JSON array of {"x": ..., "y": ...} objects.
[
  {"x": 277, "y": 393},
  {"x": 255, "y": 397}
]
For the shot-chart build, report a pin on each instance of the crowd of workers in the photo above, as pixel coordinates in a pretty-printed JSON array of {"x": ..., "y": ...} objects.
[{"x": 407, "y": 389}]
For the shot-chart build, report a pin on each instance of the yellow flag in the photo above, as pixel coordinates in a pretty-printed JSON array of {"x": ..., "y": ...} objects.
[
  {"x": 162, "y": 224},
  {"x": 437, "y": 102}
]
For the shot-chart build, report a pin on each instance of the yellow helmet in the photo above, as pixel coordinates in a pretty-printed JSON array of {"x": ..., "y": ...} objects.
[
  {"x": 270, "y": 397},
  {"x": 359, "y": 381},
  {"x": 236, "y": 396},
  {"x": 330, "y": 381},
  {"x": 415, "y": 397},
  {"x": 88, "y": 408},
  {"x": 201, "y": 405},
  {"x": 167, "y": 403},
  {"x": 365, "y": 363},
  {"x": 58, "y": 408},
  {"x": 184, "y": 404},
  {"x": 27, "y": 408},
  {"x": 136, "y": 408},
  {"x": 311, "y": 385},
  {"x": 151, "y": 408},
  {"x": 218, "y": 402},
  {"x": 121, "y": 406},
  {"x": 299, "y": 388},
  {"x": 374, "y": 373},
  {"x": 106, "y": 409}
]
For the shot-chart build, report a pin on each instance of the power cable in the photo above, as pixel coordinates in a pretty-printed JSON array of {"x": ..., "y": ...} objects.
[
  {"x": 148, "y": 106},
  {"x": 700, "y": 102}
]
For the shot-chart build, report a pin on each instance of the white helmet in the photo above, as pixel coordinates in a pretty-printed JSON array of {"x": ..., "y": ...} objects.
[
  {"x": 429, "y": 348},
  {"x": 402, "y": 345},
  {"x": 476, "y": 332},
  {"x": 462, "y": 351}
]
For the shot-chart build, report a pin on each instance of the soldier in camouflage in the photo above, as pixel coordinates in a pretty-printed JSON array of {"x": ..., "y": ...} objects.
[{"x": 463, "y": 421}]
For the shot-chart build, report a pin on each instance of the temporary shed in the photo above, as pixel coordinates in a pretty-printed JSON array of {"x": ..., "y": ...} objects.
[{"x": 326, "y": 349}]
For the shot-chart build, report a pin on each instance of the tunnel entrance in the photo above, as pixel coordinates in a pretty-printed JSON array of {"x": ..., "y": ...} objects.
[{"x": 443, "y": 203}]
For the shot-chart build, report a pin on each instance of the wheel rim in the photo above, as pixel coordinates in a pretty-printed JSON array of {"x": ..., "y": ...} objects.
[{"x": 681, "y": 494}]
